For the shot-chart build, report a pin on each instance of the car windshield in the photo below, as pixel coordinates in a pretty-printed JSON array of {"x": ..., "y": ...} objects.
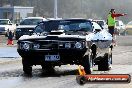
[
  {"x": 30, "y": 21},
  {"x": 69, "y": 25},
  {"x": 3, "y": 22},
  {"x": 75, "y": 26}
]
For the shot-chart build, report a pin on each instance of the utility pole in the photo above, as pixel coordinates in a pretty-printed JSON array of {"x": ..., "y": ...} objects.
[
  {"x": 55, "y": 9},
  {"x": 10, "y": 3},
  {"x": 82, "y": 9}
]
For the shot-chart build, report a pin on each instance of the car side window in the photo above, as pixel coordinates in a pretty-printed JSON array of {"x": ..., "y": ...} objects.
[{"x": 96, "y": 26}]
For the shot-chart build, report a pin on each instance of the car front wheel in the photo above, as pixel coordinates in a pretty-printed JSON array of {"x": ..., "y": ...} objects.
[
  {"x": 88, "y": 63},
  {"x": 105, "y": 63},
  {"x": 27, "y": 68}
]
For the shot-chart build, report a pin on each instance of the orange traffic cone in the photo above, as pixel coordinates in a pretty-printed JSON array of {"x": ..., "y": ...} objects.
[{"x": 81, "y": 70}]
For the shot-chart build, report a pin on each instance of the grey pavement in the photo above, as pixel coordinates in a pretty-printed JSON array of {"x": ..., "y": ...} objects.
[{"x": 9, "y": 52}]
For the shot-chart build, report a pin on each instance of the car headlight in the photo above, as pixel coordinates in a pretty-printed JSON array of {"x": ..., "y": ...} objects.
[
  {"x": 36, "y": 46},
  {"x": 67, "y": 45},
  {"x": 30, "y": 30},
  {"x": 26, "y": 46},
  {"x": 18, "y": 29},
  {"x": 78, "y": 45}
]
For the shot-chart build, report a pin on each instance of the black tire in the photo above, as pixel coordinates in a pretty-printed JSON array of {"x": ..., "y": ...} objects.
[
  {"x": 81, "y": 80},
  {"x": 105, "y": 62},
  {"x": 27, "y": 68},
  {"x": 16, "y": 37},
  {"x": 87, "y": 63}
]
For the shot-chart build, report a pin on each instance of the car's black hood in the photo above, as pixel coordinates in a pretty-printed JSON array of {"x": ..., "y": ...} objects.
[{"x": 53, "y": 37}]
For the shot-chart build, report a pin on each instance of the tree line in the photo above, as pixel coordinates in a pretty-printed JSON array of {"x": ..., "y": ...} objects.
[{"x": 95, "y": 9}]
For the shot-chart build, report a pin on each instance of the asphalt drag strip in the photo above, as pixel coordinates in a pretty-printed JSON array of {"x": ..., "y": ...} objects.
[{"x": 61, "y": 78}]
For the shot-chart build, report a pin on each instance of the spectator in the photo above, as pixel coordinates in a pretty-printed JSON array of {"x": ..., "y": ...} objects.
[
  {"x": 111, "y": 23},
  {"x": 111, "y": 20},
  {"x": 10, "y": 38}
]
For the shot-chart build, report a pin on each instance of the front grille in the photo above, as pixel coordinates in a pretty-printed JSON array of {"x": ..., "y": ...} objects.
[
  {"x": 49, "y": 45},
  {"x": 2, "y": 29},
  {"x": 55, "y": 44},
  {"x": 26, "y": 29}
]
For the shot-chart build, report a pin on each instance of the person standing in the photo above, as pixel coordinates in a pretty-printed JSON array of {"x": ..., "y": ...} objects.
[
  {"x": 10, "y": 38},
  {"x": 111, "y": 23},
  {"x": 111, "y": 20}
]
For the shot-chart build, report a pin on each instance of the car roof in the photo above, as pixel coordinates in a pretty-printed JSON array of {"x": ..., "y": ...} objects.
[
  {"x": 4, "y": 19},
  {"x": 35, "y": 18},
  {"x": 70, "y": 19},
  {"x": 53, "y": 18},
  {"x": 99, "y": 20}
]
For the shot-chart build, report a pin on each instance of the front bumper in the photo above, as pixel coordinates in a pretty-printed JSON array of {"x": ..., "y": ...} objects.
[
  {"x": 67, "y": 56},
  {"x": 2, "y": 31}
]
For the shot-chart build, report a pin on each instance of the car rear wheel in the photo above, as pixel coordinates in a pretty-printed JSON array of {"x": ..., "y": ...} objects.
[
  {"x": 27, "y": 68},
  {"x": 105, "y": 63},
  {"x": 88, "y": 63}
]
